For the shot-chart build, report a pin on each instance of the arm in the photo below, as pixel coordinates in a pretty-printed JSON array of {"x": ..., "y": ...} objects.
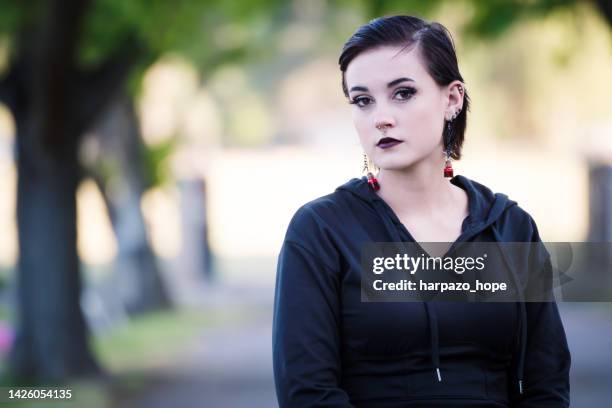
[
  {"x": 305, "y": 333},
  {"x": 547, "y": 358}
]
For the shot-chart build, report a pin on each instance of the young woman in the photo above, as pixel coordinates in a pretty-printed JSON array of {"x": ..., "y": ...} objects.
[{"x": 330, "y": 349}]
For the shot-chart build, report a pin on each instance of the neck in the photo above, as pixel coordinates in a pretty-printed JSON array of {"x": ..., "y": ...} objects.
[{"x": 420, "y": 188}]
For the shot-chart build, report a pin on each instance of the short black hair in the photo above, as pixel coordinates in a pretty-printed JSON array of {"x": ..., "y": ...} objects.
[{"x": 436, "y": 47}]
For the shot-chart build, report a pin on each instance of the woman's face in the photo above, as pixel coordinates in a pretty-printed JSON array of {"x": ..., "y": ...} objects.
[{"x": 395, "y": 90}]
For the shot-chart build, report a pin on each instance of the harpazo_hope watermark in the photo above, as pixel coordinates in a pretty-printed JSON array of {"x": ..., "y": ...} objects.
[{"x": 486, "y": 271}]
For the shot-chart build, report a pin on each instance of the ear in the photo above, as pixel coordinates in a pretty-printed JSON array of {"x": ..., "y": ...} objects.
[{"x": 455, "y": 92}]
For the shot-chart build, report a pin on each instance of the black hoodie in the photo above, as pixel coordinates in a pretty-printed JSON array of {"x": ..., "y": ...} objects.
[{"x": 332, "y": 350}]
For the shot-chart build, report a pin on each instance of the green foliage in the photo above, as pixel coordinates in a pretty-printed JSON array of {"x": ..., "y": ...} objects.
[
  {"x": 190, "y": 27},
  {"x": 492, "y": 18},
  {"x": 195, "y": 28},
  {"x": 17, "y": 15},
  {"x": 156, "y": 168},
  {"x": 155, "y": 25},
  {"x": 388, "y": 7}
]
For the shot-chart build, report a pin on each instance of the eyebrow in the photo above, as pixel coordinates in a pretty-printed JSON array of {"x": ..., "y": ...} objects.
[{"x": 389, "y": 85}]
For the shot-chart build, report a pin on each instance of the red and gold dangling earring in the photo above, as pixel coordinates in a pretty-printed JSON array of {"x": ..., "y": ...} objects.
[
  {"x": 448, "y": 166},
  {"x": 372, "y": 181},
  {"x": 448, "y": 169}
]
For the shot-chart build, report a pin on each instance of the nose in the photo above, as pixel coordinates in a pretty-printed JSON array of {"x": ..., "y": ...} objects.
[
  {"x": 384, "y": 120},
  {"x": 384, "y": 124}
]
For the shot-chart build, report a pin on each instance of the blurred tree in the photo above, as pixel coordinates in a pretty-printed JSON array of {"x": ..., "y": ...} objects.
[
  {"x": 52, "y": 103},
  {"x": 69, "y": 60},
  {"x": 491, "y": 17},
  {"x": 122, "y": 179}
]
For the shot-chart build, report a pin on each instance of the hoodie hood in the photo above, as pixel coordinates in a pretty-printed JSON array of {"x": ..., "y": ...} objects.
[{"x": 485, "y": 208}]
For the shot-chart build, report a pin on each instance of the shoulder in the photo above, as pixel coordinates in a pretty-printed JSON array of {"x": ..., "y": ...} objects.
[
  {"x": 314, "y": 228},
  {"x": 510, "y": 218},
  {"x": 326, "y": 210},
  {"x": 518, "y": 214},
  {"x": 517, "y": 224},
  {"x": 315, "y": 215}
]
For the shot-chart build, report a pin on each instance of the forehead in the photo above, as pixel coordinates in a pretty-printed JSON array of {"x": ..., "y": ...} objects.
[{"x": 377, "y": 66}]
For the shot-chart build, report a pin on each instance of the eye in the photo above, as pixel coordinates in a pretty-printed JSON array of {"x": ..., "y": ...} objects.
[
  {"x": 361, "y": 101},
  {"x": 405, "y": 93}
]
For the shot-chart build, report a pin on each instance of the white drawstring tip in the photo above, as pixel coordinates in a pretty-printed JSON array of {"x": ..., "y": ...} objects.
[
  {"x": 520, "y": 386},
  {"x": 439, "y": 376}
]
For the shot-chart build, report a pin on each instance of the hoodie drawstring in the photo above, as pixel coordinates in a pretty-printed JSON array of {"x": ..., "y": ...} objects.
[
  {"x": 433, "y": 335},
  {"x": 432, "y": 317},
  {"x": 520, "y": 369}
]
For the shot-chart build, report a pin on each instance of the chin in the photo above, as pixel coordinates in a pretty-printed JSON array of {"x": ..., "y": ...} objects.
[
  {"x": 397, "y": 164},
  {"x": 395, "y": 161},
  {"x": 401, "y": 160}
]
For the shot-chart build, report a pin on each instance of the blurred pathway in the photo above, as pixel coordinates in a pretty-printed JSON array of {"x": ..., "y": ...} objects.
[
  {"x": 228, "y": 366},
  {"x": 589, "y": 334}
]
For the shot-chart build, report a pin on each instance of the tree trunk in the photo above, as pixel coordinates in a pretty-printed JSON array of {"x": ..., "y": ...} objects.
[
  {"x": 53, "y": 104},
  {"x": 51, "y": 342},
  {"x": 139, "y": 280}
]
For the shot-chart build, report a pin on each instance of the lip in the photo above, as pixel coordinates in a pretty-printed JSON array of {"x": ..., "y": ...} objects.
[{"x": 388, "y": 142}]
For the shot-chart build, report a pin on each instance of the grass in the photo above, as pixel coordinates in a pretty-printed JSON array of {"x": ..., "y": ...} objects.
[
  {"x": 135, "y": 352},
  {"x": 150, "y": 340}
]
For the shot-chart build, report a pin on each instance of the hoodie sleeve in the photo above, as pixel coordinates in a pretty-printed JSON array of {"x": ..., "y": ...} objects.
[
  {"x": 305, "y": 333},
  {"x": 547, "y": 357}
]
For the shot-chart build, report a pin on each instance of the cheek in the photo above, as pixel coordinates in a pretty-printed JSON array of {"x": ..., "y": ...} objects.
[
  {"x": 427, "y": 125},
  {"x": 362, "y": 125}
]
